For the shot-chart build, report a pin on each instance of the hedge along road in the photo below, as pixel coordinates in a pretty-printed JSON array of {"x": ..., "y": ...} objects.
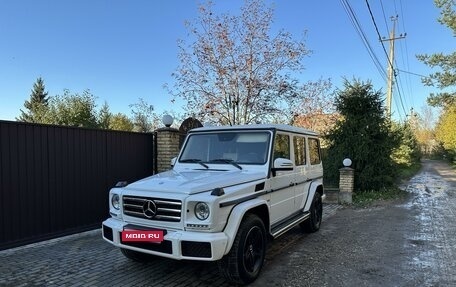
[{"x": 407, "y": 243}]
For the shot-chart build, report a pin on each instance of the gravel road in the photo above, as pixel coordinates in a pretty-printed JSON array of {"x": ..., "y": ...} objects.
[{"x": 411, "y": 242}]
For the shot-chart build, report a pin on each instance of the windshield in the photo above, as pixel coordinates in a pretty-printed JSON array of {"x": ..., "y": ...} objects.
[{"x": 227, "y": 147}]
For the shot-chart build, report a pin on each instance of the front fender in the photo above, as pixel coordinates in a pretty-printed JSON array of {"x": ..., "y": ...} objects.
[{"x": 236, "y": 216}]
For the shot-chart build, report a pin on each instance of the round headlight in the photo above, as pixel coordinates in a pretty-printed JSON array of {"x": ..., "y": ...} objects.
[
  {"x": 202, "y": 210},
  {"x": 115, "y": 201}
]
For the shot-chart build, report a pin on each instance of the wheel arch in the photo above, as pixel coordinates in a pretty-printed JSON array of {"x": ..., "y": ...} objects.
[
  {"x": 258, "y": 207},
  {"x": 315, "y": 186}
]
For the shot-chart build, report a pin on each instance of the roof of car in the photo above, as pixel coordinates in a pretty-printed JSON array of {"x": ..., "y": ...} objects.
[{"x": 280, "y": 127}]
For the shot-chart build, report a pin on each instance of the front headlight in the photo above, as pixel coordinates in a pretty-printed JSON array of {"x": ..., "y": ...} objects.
[
  {"x": 202, "y": 210},
  {"x": 115, "y": 201}
]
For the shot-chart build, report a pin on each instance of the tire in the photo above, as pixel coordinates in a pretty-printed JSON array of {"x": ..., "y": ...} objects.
[
  {"x": 137, "y": 256},
  {"x": 316, "y": 213},
  {"x": 243, "y": 263}
]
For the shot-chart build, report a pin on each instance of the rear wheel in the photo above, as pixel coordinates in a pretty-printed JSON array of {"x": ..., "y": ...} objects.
[
  {"x": 243, "y": 263},
  {"x": 137, "y": 256},
  {"x": 316, "y": 215}
]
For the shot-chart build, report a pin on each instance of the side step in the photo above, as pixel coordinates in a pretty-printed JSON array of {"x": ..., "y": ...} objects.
[{"x": 289, "y": 224}]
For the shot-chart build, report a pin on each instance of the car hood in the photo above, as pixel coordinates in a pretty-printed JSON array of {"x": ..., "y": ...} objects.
[{"x": 194, "y": 181}]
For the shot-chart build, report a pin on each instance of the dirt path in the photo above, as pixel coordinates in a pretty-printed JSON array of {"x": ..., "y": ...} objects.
[{"x": 409, "y": 243}]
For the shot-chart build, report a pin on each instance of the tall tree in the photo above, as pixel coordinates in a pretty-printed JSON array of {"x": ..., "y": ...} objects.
[
  {"x": 316, "y": 111},
  {"x": 144, "y": 118},
  {"x": 446, "y": 77},
  {"x": 37, "y": 105},
  {"x": 104, "y": 117},
  {"x": 408, "y": 152},
  {"x": 69, "y": 109},
  {"x": 423, "y": 125},
  {"x": 236, "y": 71},
  {"x": 120, "y": 122},
  {"x": 446, "y": 129},
  {"x": 363, "y": 134}
]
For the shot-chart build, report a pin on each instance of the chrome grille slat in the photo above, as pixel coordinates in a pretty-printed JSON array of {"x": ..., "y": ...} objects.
[
  {"x": 134, "y": 198},
  {"x": 135, "y": 213},
  {"x": 132, "y": 206},
  {"x": 167, "y": 217},
  {"x": 168, "y": 202},
  {"x": 167, "y": 210}
]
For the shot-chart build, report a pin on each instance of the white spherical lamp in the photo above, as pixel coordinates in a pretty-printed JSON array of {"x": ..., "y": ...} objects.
[
  {"x": 347, "y": 162},
  {"x": 167, "y": 120}
]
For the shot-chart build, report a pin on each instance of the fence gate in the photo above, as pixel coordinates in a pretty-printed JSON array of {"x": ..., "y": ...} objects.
[{"x": 55, "y": 180}]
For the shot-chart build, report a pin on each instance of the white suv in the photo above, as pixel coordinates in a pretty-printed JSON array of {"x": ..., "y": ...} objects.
[{"x": 230, "y": 190}]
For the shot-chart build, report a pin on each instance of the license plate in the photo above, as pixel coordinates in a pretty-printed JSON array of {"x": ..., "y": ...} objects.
[{"x": 155, "y": 236}]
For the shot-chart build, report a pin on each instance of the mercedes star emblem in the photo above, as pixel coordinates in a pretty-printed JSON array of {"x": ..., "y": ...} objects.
[{"x": 149, "y": 208}]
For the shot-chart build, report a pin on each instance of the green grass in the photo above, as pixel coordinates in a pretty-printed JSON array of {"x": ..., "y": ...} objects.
[
  {"x": 407, "y": 172},
  {"x": 372, "y": 197}
]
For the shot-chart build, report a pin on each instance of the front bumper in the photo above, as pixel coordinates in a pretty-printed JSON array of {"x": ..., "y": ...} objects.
[{"x": 177, "y": 244}]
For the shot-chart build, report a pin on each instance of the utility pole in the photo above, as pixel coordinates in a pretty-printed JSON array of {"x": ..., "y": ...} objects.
[{"x": 391, "y": 71}]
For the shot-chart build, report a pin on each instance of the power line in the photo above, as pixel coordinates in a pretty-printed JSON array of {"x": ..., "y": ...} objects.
[
  {"x": 399, "y": 79},
  {"x": 384, "y": 16},
  {"x": 400, "y": 94},
  {"x": 378, "y": 33},
  {"x": 411, "y": 73},
  {"x": 390, "y": 57},
  {"x": 352, "y": 16},
  {"x": 407, "y": 64}
]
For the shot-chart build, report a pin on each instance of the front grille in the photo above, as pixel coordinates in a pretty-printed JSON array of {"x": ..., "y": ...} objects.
[{"x": 166, "y": 209}]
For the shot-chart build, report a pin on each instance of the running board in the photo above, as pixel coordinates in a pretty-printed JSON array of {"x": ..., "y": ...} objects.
[{"x": 289, "y": 224}]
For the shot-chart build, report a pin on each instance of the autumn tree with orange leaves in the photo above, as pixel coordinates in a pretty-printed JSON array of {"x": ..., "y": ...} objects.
[{"x": 236, "y": 72}]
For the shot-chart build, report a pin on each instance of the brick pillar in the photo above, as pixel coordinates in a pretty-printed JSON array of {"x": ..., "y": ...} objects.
[
  {"x": 346, "y": 184},
  {"x": 167, "y": 147}
]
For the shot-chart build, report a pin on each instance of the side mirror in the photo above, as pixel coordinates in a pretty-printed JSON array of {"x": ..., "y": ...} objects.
[
  {"x": 173, "y": 161},
  {"x": 282, "y": 164}
]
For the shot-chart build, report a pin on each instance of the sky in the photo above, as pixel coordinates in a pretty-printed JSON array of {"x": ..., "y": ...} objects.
[{"x": 126, "y": 50}]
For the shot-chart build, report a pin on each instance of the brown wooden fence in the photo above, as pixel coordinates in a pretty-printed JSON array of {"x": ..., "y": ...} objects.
[{"x": 55, "y": 180}]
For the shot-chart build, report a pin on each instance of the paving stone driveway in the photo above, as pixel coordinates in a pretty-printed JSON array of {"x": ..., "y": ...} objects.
[{"x": 87, "y": 260}]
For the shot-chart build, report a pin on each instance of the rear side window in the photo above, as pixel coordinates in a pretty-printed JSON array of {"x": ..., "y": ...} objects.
[
  {"x": 314, "y": 151},
  {"x": 282, "y": 146},
  {"x": 299, "y": 144}
]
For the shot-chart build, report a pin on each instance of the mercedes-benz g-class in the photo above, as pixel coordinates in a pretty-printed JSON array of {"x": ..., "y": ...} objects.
[{"x": 231, "y": 188}]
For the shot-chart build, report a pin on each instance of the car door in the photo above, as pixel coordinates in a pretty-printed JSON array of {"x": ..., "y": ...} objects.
[
  {"x": 301, "y": 179},
  {"x": 281, "y": 182},
  {"x": 315, "y": 168}
]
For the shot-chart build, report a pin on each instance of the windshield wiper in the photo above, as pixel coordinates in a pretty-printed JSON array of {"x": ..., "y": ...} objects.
[
  {"x": 194, "y": 160},
  {"x": 225, "y": 160}
]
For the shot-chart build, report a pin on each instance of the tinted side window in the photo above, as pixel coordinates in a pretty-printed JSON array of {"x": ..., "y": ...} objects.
[
  {"x": 282, "y": 146},
  {"x": 299, "y": 144},
  {"x": 314, "y": 150}
]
